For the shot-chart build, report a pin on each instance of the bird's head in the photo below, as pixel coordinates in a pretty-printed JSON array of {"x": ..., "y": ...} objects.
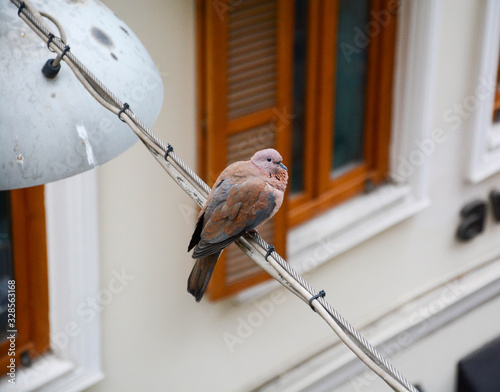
[{"x": 270, "y": 161}]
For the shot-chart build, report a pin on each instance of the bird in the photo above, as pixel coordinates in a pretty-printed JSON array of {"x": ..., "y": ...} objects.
[{"x": 244, "y": 197}]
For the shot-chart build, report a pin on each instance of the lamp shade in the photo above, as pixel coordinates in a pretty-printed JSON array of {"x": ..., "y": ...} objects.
[{"x": 53, "y": 128}]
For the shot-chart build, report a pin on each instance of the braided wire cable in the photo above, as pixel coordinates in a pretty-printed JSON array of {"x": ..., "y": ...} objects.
[
  {"x": 113, "y": 103},
  {"x": 191, "y": 174},
  {"x": 344, "y": 324},
  {"x": 199, "y": 190},
  {"x": 108, "y": 95}
]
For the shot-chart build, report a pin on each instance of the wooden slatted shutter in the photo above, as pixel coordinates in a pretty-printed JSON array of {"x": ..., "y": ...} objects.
[{"x": 245, "y": 83}]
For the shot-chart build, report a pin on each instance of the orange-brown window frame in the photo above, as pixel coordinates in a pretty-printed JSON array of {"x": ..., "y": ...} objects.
[
  {"x": 321, "y": 191},
  {"x": 30, "y": 275},
  {"x": 496, "y": 102},
  {"x": 215, "y": 126}
]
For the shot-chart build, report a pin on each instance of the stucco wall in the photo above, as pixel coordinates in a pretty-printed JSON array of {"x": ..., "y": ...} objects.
[{"x": 156, "y": 338}]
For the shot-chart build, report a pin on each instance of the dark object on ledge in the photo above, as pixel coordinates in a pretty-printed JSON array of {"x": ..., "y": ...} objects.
[
  {"x": 473, "y": 219},
  {"x": 479, "y": 371}
]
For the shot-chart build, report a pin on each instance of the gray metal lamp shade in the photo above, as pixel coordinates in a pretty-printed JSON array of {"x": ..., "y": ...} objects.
[{"x": 53, "y": 128}]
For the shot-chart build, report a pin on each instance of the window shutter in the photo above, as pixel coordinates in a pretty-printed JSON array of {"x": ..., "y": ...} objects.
[{"x": 244, "y": 68}]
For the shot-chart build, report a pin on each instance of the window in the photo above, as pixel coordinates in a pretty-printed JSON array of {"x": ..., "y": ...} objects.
[
  {"x": 494, "y": 137},
  {"x": 496, "y": 103},
  {"x": 312, "y": 79},
  {"x": 484, "y": 102},
  {"x": 343, "y": 67},
  {"x": 23, "y": 259}
]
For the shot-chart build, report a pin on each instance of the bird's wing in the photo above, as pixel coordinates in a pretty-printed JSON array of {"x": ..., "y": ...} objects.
[{"x": 234, "y": 208}]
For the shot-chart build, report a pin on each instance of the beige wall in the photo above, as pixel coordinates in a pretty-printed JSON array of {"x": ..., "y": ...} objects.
[{"x": 156, "y": 338}]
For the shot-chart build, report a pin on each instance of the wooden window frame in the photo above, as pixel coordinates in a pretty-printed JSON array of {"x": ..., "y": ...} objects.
[
  {"x": 214, "y": 125},
  {"x": 213, "y": 34},
  {"x": 30, "y": 275},
  {"x": 322, "y": 192},
  {"x": 496, "y": 102},
  {"x": 484, "y": 150}
]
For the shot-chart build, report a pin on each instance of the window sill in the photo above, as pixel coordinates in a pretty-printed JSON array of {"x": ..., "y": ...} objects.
[
  {"x": 487, "y": 163},
  {"x": 74, "y": 363},
  {"x": 487, "y": 169},
  {"x": 342, "y": 228},
  {"x": 28, "y": 379},
  {"x": 494, "y": 142},
  {"x": 52, "y": 373}
]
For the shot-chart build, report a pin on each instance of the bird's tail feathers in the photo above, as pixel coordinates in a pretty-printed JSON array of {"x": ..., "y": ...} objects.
[{"x": 200, "y": 275}]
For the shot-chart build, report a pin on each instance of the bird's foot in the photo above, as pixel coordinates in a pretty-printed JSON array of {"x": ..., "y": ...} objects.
[
  {"x": 270, "y": 249},
  {"x": 253, "y": 232}
]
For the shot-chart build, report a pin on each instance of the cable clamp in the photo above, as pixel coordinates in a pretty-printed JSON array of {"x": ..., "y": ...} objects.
[
  {"x": 320, "y": 294},
  {"x": 21, "y": 6},
  {"x": 125, "y": 107},
  {"x": 66, "y": 49},
  {"x": 270, "y": 249},
  {"x": 168, "y": 151},
  {"x": 51, "y": 37}
]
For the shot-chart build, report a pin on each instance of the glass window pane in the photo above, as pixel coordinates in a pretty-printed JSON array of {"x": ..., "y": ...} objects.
[
  {"x": 6, "y": 264},
  {"x": 299, "y": 95},
  {"x": 350, "y": 84}
]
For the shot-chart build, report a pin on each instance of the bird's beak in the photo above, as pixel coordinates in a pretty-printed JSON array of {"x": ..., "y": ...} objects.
[{"x": 282, "y": 166}]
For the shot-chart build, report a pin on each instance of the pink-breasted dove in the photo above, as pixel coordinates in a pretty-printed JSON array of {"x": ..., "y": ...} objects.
[{"x": 244, "y": 197}]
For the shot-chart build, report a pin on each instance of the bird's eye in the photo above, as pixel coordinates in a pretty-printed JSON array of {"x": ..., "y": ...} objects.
[{"x": 269, "y": 159}]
